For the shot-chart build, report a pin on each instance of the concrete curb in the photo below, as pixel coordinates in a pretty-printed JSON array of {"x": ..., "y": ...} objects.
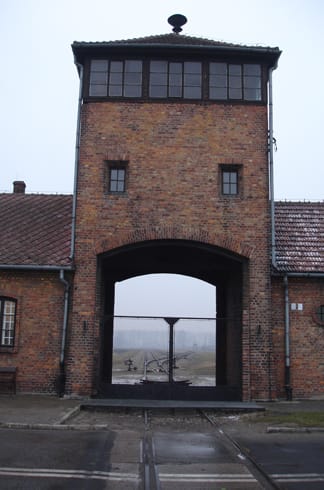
[{"x": 292, "y": 430}]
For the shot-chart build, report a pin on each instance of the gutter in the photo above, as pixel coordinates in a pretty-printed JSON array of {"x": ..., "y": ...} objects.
[
  {"x": 62, "y": 375},
  {"x": 77, "y": 155},
  {"x": 21, "y": 267},
  {"x": 76, "y": 46}
]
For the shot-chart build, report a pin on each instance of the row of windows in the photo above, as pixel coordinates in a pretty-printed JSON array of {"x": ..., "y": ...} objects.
[
  {"x": 175, "y": 79},
  {"x": 117, "y": 179}
]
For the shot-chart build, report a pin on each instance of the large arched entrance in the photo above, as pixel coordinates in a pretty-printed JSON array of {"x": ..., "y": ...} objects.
[{"x": 163, "y": 339}]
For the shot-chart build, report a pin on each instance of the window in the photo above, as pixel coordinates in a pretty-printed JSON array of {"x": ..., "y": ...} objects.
[
  {"x": 229, "y": 182},
  {"x": 116, "y": 78},
  {"x": 117, "y": 177},
  {"x": 175, "y": 79},
  {"x": 320, "y": 313},
  {"x": 234, "y": 81},
  {"x": 7, "y": 321}
]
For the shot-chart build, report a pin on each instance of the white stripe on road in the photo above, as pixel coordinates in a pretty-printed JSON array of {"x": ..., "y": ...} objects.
[
  {"x": 212, "y": 477},
  {"x": 83, "y": 474},
  {"x": 298, "y": 477}
]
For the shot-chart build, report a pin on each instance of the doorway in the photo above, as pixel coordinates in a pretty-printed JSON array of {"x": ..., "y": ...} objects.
[{"x": 184, "y": 347}]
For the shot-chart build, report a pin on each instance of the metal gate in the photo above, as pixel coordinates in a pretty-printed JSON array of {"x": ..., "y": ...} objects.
[{"x": 166, "y": 358}]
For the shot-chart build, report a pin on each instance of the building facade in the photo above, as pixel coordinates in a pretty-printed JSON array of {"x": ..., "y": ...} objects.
[{"x": 173, "y": 175}]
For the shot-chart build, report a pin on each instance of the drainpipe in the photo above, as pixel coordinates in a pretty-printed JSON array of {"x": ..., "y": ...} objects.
[
  {"x": 62, "y": 375},
  {"x": 76, "y": 161},
  {"x": 271, "y": 172},
  {"x": 288, "y": 387}
]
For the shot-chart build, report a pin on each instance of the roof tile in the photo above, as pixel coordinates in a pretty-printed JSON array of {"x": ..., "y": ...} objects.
[
  {"x": 35, "y": 229},
  {"x": 299, "y": 236}
]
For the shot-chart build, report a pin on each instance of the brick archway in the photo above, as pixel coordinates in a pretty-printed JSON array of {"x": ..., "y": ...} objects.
[
  {"x": 160, "y": 250},
  {"x": 174, "y": 233}
]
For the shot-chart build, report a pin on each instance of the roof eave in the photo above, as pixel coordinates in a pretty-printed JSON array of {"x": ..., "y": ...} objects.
[
  {"x": 82, "y": 50},
  {"x": 36, "y": 267}
]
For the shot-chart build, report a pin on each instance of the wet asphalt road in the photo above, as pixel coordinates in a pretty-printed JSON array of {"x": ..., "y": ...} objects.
[{"x": 160, "y": 453}]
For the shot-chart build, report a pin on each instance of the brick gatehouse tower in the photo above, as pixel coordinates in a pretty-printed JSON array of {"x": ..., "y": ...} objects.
[{"x": 172, "y": 175}]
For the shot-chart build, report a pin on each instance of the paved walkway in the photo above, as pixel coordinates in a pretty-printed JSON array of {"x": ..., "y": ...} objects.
[{"x": 51, "y": 410}]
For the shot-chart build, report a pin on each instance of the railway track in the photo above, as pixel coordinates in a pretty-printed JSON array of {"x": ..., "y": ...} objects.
[{"x": 246, "y": 474}]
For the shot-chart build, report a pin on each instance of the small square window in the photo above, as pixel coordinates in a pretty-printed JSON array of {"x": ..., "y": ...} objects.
[
  {"x": 116, "y": 176},
  {"x": 230, "y": 182}
]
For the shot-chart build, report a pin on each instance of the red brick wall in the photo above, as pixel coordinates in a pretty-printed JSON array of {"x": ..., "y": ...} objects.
[
  {"x": 306, "y": 336},
  {"x": 36, "y": 354},
  {"x": 174, "y": 152}
]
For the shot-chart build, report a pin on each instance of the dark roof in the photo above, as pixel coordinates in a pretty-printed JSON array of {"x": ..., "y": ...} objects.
[
  {"x": 299, "y": 236},
  {"x": 167, "y": 39},
  {"x": 172, "y": 41},
  {"x": 35, "y": 229}
]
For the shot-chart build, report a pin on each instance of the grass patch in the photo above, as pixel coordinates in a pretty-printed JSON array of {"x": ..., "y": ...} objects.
[{"x": 299, "y": 419}]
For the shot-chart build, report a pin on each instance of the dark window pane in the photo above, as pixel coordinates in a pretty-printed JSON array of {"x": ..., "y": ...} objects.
[
  {"x": 133, "y": 90},
  {"x": 98, "y": 90},
  {"x": 252, "y": 82},
  {"x": 218, "y": 93},
  {"x": 252, "y": 94},
  {"x": 158, "y": 91},
  {"x": 254, "y": 70},
  {"x": 158, "y": 66},
  {"x": 235, "y": 70},
  {"x": 192, "y": 80},
  {"x": 192, "y": 92},
  {"x": 192, "y": 67},
  {"x": 117, "y": 180},
  {"x": 115, "y": 90},
  {"x": 175, "y": 80},
  {"x": 218, "y": 81},
  {"x": 230, "y": 182},
  {"x": 218, "y": 68},
  {"x": 133, "y": 78},
  {"x": 175, "y": 68},
  {"x": 235, "y": 93},
  {"x": 134, "y": 66},
  {"x": 116, "y": 78},
  {"x": 99, "y": 77},
  {"x": 158, "y": 79},
  {"x": 99, "y": 65},
  {"x": 116, "y": 66},
  {"x": 175, "y": 91},
  {"x": 121, "y": 173},
  {"x": 235, "y": 82},
  {"x": 320, "y": 313}
]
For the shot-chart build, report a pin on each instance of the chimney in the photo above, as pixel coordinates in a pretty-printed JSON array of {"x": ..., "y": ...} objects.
[{"x": 19, "y": 187}]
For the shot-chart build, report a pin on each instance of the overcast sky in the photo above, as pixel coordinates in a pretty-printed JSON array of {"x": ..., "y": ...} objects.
[{"x": 39, "y": 82}]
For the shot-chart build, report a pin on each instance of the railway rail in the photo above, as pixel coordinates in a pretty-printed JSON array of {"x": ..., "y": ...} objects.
[{"x": 252, "y": 477}]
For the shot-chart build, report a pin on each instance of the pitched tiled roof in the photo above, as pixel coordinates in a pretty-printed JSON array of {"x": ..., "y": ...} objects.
[
  {"x": 299, "y": 236},
  {"x": 35, "y": 229},
  {"x": 172, "y": 41},
  {"x": 166, "y": 39}
]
